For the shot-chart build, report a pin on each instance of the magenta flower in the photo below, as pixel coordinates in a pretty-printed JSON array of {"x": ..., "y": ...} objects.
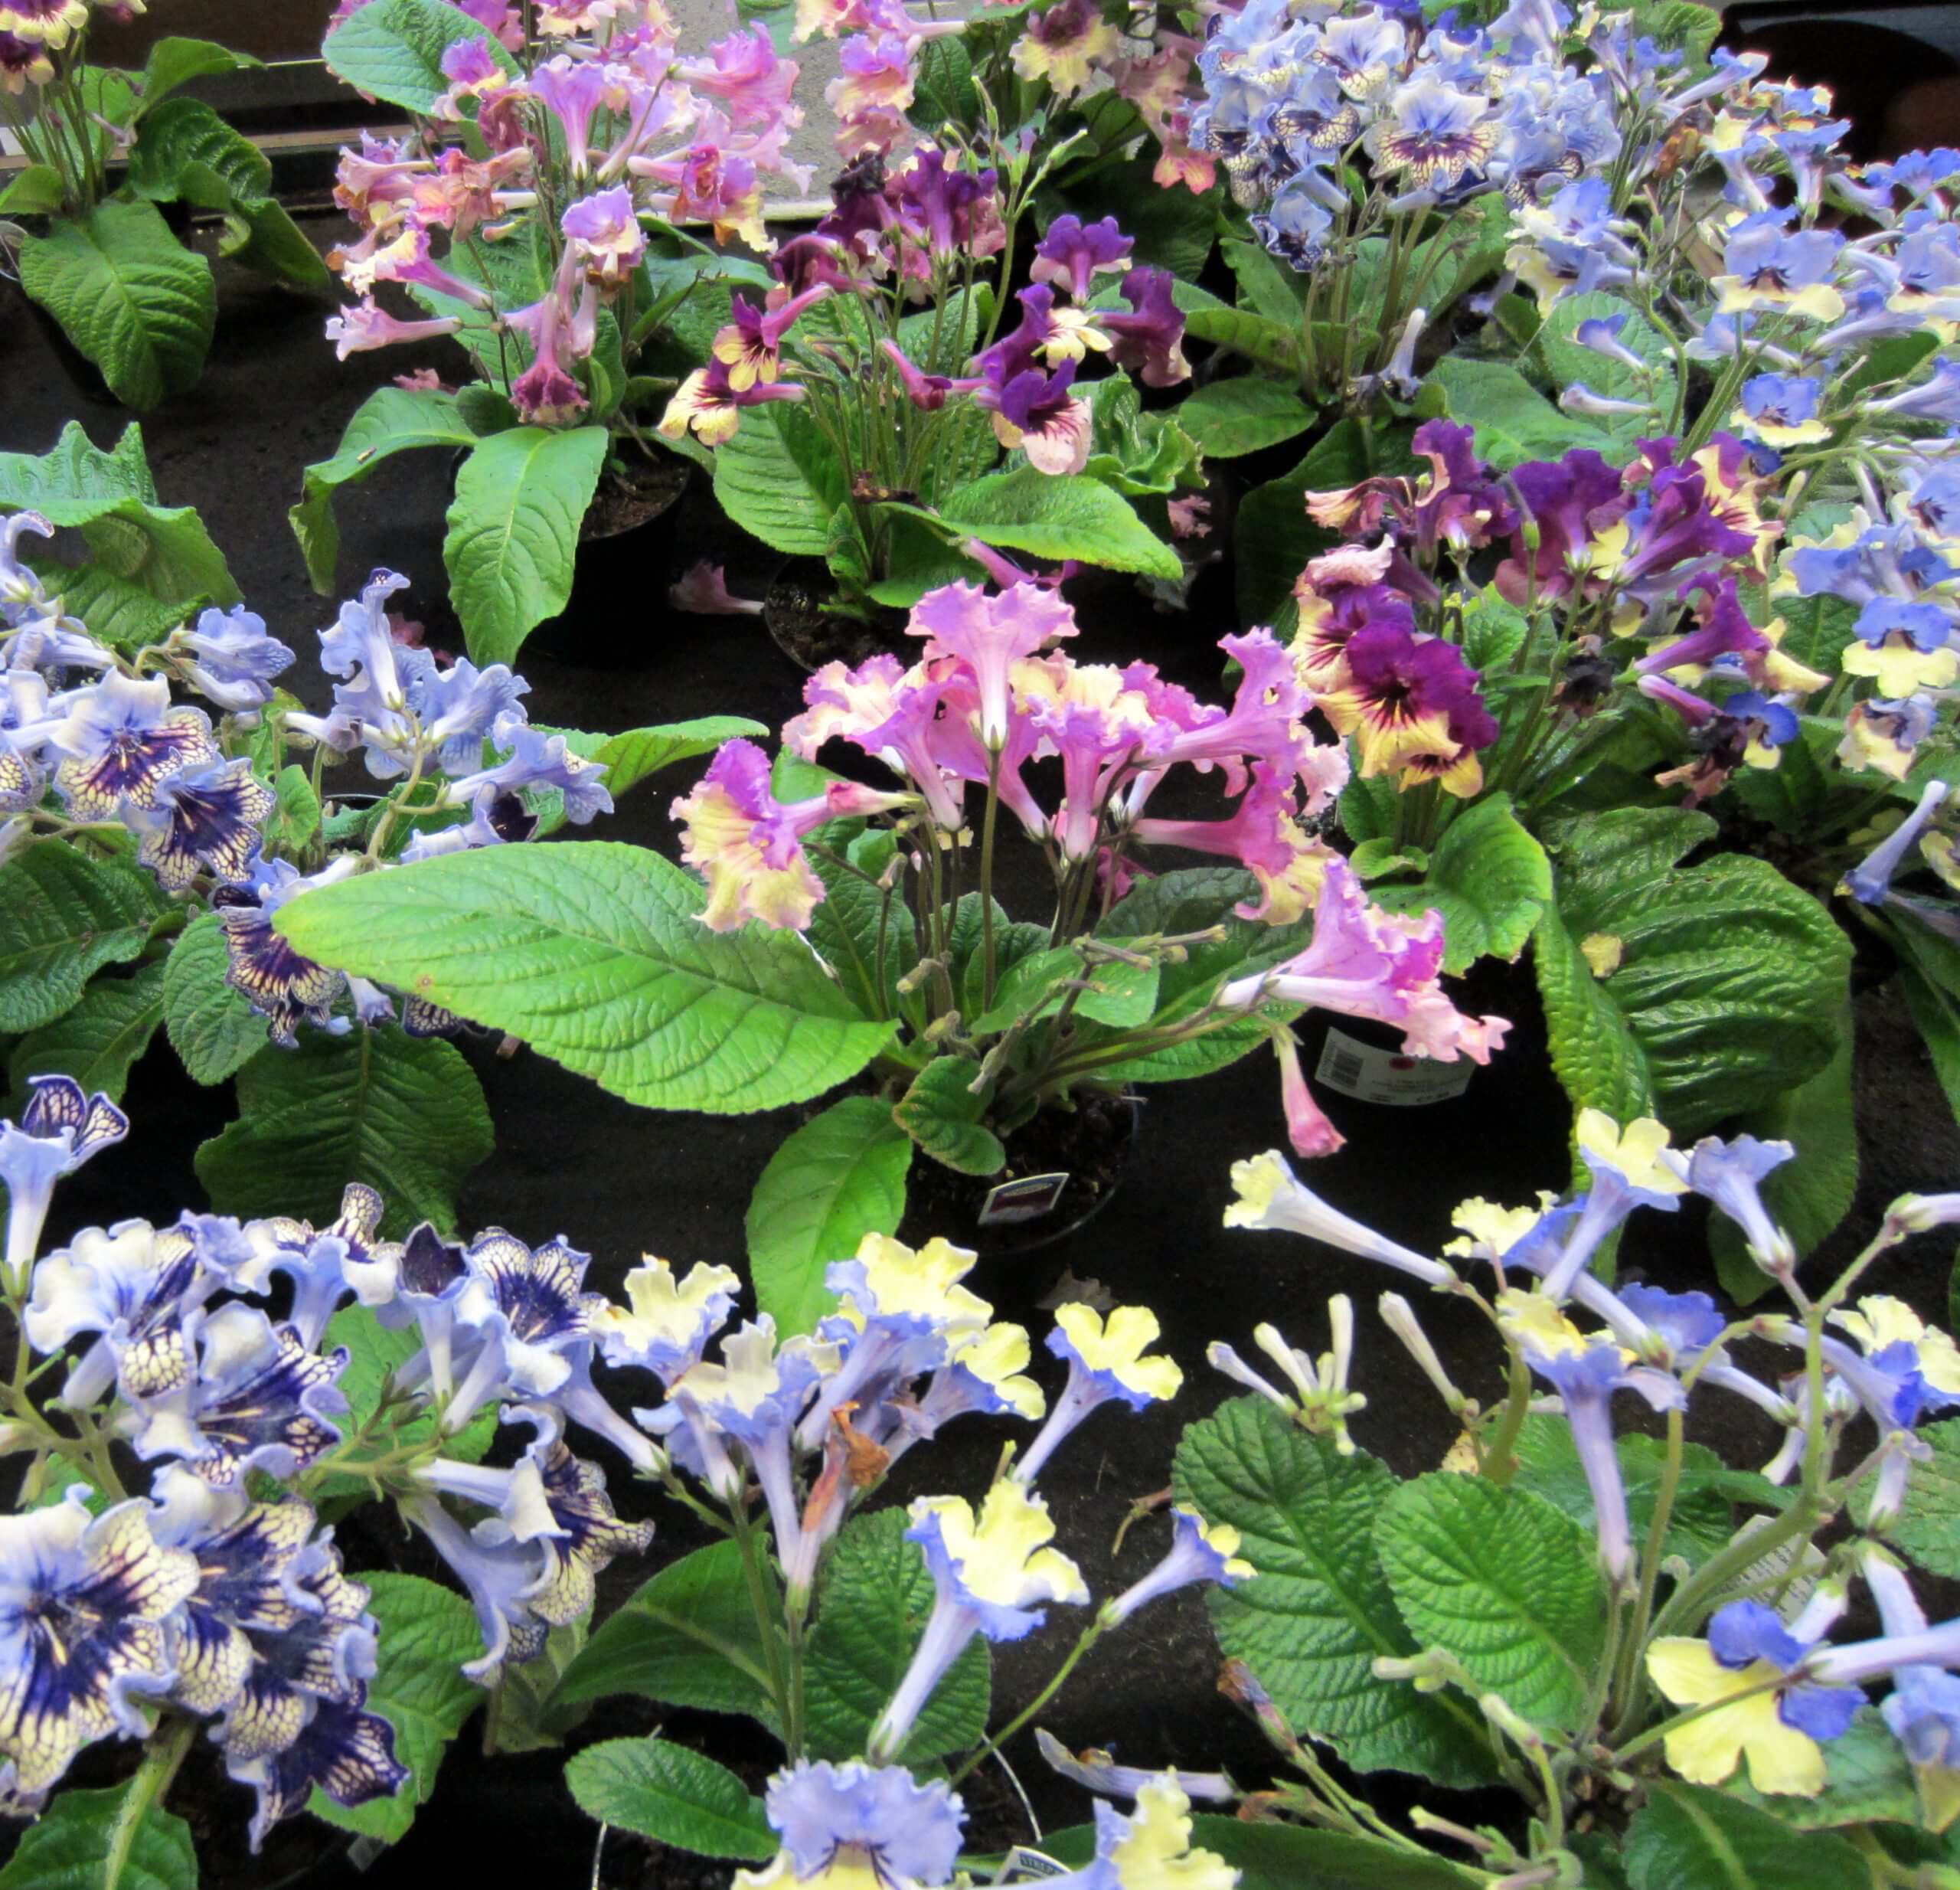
[
  {"x": 888, "y": 711},
  {"x": 744, "y": 72},
  {"x": 1151, "y": 337},
  {"x": 948, "y": 211},
  {"x": 1724, "y": 630},
  {"x": 1568, "y": 500},
  {"x": 989, "y": 635},
  {"x": 573, "y": 91},
  {"x": 366, "y": 324},
  {"x": 1073, "y": 253},
  {"x": 703, "y": 591}
]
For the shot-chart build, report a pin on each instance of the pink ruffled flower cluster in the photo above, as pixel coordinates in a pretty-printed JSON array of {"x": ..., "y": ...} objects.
[
  {"x": 991, "y": 695},
  {"x": 613, "y": 126}
]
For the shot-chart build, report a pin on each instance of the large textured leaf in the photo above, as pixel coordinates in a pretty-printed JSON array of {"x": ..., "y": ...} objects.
[
  {"x": 393, "y": 50},
  {"x": 63, "y": 916},
  {"x": 118, "y": 613},
  {"x": 1321, "y": 1611},
  {"x": 174, "y": 62},
  {"x": 213, "y": 1031},
  {"x": 129, "y": 294},
  {"x": 426, "y": 1634},
  {"x": 1230, "y": 417},
  {"x": 673, "y": 1795},
  {"x": 404, "y": 1114},
  {"x": 110, "y": 497},
  {"x": 1731, "y": 981},
  {"x": 1504, "y": 1582},
  {"x": 596, "y": 956},
  {"x": 513, "y": 532},
  {"x": 1928, "y": 1531},
  {"x": 98, "y": 1040},
  {"x": 1598, "y": 1062},
  {"x": 390, "y": 421},
  {"x": 866, "y": 937},
  {"x": 941, "y": 1113},
  {"x": 1513, "y": 421},
  {"x": 1691, "y": 1839},
  {"x": 1571, "y": 362},
  {"x": 1489, "y": 879},
  {"x": 841, "y": 1175},
  {"x": 687, "y": 1638},
  {"x": 872, "y": 1602},
  {"x": 101, "y": 1840},
  {"x": 1059, "y": 516},
  {"x": 779, "y": 478},
  {"x": 183, "y": 147}
]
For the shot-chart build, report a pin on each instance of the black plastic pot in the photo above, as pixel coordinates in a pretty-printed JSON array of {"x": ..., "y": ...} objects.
[
  {"x": 622, "y": 547},
  {"x": 797, "y": 614}
]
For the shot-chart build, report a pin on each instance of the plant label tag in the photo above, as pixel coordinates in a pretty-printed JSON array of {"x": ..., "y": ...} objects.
[
  {"x": 1373, "y": 1075},
  {"x": 1027, "y": 1199},
  {"x": 1023, "y": 1866}
]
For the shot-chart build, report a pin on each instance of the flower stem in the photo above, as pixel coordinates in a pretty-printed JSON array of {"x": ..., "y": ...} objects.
[
  {"x": 161, "y": 1757},
  {"x": 1089, "y": 1636}
]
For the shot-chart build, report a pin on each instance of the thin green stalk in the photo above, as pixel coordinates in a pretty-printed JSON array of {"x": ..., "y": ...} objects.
[
  {"x": 161, "y": 1757},
  {"x": 1500, "y": 1463},
  {"x": 987, "y": 822},
  {"x": 763, "y": 1606},
  {"x": 1089, "y": 1637},
  {"x": 1630, "y": 1678}
]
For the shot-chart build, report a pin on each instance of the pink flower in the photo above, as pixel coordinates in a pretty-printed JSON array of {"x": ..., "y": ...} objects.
[
  {"x": 1264, "y": 722},
  {"x": 1101, "y": 724},
  {"x": 888, "y": 710},
  {"x": 572, "y": 90},
  {"x": 748, "y": 845},
  {"x": 1308, "y": 1129},
  {"x": 605, "y": 235},
  {"x": 703, "y": 591},
  {"x": 871, "y": 93},
  {"x": 404, "y": 258},
  {"x": 559, "y": 330},
  {"x": 422, "y": 380},
  {"x": 990, "y": 635},
  {"x": 1364, "y": 961},
  {"x": 366, "y": 325},
  {"x": 1262, "y": 834},
  {"x": 745, "y": 73},
  {"x": 1189, "y": 518}
]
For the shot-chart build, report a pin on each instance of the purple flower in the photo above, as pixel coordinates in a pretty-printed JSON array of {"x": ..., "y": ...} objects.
[
  {"x": 235, "y": 660},
  {"x": 205, "y": 818},
  {"x": 134, "y": 1286},
  {"x": 573, "y": 91},
  {"x": 1072, "y": 254},
  {"x": 1199, "y": 1551},
  {"x": 282, "y": 986},
  {"x": 1687, "y": 1323},
  {"x": 83, "y": 1605},
  {"x": 60, "y": 1128},
  {"x": 123, "y": 740},
  {"x": 1151, "y": 337}
]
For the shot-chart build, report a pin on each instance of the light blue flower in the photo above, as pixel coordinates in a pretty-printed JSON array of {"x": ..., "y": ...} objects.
[
  {"x": 206, "y": 818},
  {"x": 503, "y": 1577},
  {"x": 235, "y": 661},
  {"x": 1107, "y": 1361},
  {"x": 1095, "y": 1771},
  {"x": 1870, "y": 882},
  {"x": 84, "y": 1607},
  {"x": 538, "y": 761},
  {"x": 517, "y": 1316},
  {"x": 360, "y": 648},
  {"x": 345, "y": 1260},
  {"x": 876, "y": 1818},
  {"x": 21, "y": 592},
  {"x": 496, "y": 817},
  {"x": 459, "y": 706},
  {"x": 134, "y": 1286},
  {"x": 123, "y": 740},
  {"x": 61, "y": 1128},
  {"x": 1199, "y": 1552},
  {"x": 1730, "y": 1174}
]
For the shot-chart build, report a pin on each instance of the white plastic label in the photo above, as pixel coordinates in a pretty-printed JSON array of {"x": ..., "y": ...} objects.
[
  {"x": 1029, "y": 1198},
  {"x": 1371, "y": 1075},
  {"x": 1023, "y": 1866}
]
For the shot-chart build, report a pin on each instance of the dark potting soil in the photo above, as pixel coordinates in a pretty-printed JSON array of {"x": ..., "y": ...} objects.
[
  {"x": 619, "y": 1181},
  {"x": 641, "y": 490},
  {"x": 800, "y": 613}
]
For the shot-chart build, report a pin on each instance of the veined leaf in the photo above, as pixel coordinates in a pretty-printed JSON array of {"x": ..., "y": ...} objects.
[
  {"x": 99, "y": 1040},
  {"x": 1487, "y": 877},
  {"x": 103, "y": 1840},
  {"x": 63, "y": 916},
  {"x": 214, "y": 1031},
  {"x": 1689, "y": 1838},
  {"x": 672, "y": 1794},
  {"x": 1061, "y": 515},
  {"x": 1227, "y": 418},
  {"x": 393, "y": 50}
]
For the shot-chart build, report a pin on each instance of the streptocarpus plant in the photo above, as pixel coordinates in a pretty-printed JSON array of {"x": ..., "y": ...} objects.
[
  {"x": 229, "y": 1386},
  {"x": 90, "y": 248},
  {"x": 1570, "y": 1609},
  {"x": 850, "y": 929}
]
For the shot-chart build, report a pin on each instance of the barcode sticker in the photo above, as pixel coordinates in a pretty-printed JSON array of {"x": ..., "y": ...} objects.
[
  {"x": 1371, "y": 1075},
  {"x": 1023, "y": 1866}
]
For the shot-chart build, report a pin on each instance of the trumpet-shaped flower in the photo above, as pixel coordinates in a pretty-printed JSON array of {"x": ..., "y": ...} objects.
[
  {"x": 519, "y": 1314},
  {"x": 83, "y": 1606},
  {"x": 1870, "y": 882},
  {"x": 234, "y": 661},
  {"x": 1749, "y": 1673},
  {"x": 988, "y": 635},
  {"x": 1107, "y": 1359},
  {"x": 205, "y": 818},
  {"x": 856, "y": 1823},
  {"x": 134, "y": 1286},
  {"x": 668, "y": 1317},
  {"x": 1151, "y": 1850},
  {"x": 1270, "y": 1198},
  {"x": 1730, "y": 1174},
  {"x": 61, "y": 1128},
  {"x": 123, "y": 740},
  {"x": 1199, "y": 1551},
  {"x": 1631, "y": 1168}
]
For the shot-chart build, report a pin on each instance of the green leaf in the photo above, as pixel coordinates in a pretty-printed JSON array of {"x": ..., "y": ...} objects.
[
  {"x": 260, "y": 235},
  {"x": 873, "y": 1599},
  {"x": 1568, "y": 362},
  {"x": 85, "y": 1841},
  {"x": 184, "y": 135},
  {"x": 98, "y": 1041},
  {"x": 1116, "y": 993},
  {"x": 1062, "y": 515},
  {"x": 635, "y": 754},
  {"x": 941, "y": 1113},
  {"x": 1816, "y": 630},
  {"x": 110, "y": 498},
  {"x": 596, "y": 956},
  {"x": 392, "y": 50},
  {"x": 673, "y": 1795},
  {"x": 1231, "y": 417},
  {"x": 1598, "y": 1062},
  {"x": 1504, "y": 1582},
  {"x": 1260, "y": 339},
  {"x": 841, "y": 1175},
  {"x": 1936, "y": 1013},
  {"x": 1278, "y": 1856},
  {"x": 1928, "y": 1528},
  {"x": 1321, "y": 1611},
  {"x": 1490, "y": 880},
  {"x": 390, "y": 421},
  {"x": 404, "y": 1114},
  {"x": 513, "y": 531},
  {"x": 1809, "y": 1197},
  {"x": 1494, "y": 631},
  {"x": 130, "y": 297},
  {"x": 121, "y": 614},
  {"x": 778, "y": 478},
  {"x": 426, "y": 1633},
  {"x": 846, "y": 928},
  {"x": 213, "y": 1031},
  {"x": 1688, "y": 1838},
  {"x": 174, "y": 62},
  {"x": 35, "y": 191},
  {"x": 1513, "y": 421},
  {"x": 63, "y": 916},
  {"x": 296, "y": 818},
  {"x": 686, "y": 1638},
  {"x": 1731, "y": 981}
]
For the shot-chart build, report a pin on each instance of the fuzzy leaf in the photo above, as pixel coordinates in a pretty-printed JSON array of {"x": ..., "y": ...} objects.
[
  {"x": 63, "y": 916},
  {"x": 426, "y": 1633},
  {"x": 872, "y": 1601},
  {"x": 1689, "y": 1838},
  {"x": 82, "y": 1842},
  {"x": 98, "y": 1041},
  {"x": 513, "y": 532},
  {"x": 1230, "y": 417},
  {"x": 841, "y": 1175},
  {"x": 1489, "y": 879},
  {"x": 404, "y": 1114},
  {"x": 184, "y": 135},
  {"x": 1059, "y": 516},
  {"x": 129, "y": 294},
  {"x": 779, "y": 478},
  {"x": 1928, "y": 1530},
  {"x": 174, "y": 62},
  {"x": 212, "y": 1028},
  {"x": 1569, "y": 362},
  {"x": 1321, "y": 1611},
  {"x": 673, "y": 1795},
  {"x": 1513, "y": 421},
  {"x": 941, "y": 1113},
  {"x": 393, "y": 50},
  {"x": 594, "y": 954}
]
